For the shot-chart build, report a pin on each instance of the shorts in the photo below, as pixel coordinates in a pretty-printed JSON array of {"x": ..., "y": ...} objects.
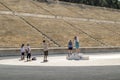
[
  {"x": 70, "y": 48},
  {"x": 29, "y": 55},
  {"x": 46, "y": 53},
  {"x": 22, "y": 53},
  {"x": 77, "y": 45}
]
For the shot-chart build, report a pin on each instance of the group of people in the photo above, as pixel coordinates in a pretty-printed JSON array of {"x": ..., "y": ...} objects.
[
  {"x": 71, "y": 45},
  {"x": 27, "y": 51}
]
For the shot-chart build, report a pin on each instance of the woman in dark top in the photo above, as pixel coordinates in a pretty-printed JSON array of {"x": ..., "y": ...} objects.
[{"x": 70, "y": 48}]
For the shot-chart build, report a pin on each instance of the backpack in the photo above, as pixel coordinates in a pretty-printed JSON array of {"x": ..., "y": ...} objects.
[{"x": 34, "y": 58}]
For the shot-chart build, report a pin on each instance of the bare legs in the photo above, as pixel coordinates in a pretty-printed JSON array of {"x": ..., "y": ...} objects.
[
  {"x": 22, "y": 57},
  {"x": 77, "y": 50},
  {"x": 45, "y": 57},
  {"x": 69, "y": 52}
]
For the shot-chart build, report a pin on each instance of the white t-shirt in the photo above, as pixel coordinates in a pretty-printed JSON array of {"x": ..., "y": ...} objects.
[
  {"x": 28, "y": 49},
  {"x": 22, "y": 49},
  {"x": 45, "y": 46}
]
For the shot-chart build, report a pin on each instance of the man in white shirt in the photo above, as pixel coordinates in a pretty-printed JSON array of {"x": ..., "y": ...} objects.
[{"x": 45, "y": 49}]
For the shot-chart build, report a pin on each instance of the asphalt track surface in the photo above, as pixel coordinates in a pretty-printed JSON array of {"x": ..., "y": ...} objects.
[
  {"x": 63, "y": 72},
  {"x": 59, "y": 73}
]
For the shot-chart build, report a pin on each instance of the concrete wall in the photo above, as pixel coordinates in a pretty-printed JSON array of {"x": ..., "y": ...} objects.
[
  {"x": 35, "y": 51},
  {"x": 39, "y": 51}
]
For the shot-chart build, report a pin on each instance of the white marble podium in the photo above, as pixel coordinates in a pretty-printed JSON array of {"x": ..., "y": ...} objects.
[{"x": 77, "y": 56}]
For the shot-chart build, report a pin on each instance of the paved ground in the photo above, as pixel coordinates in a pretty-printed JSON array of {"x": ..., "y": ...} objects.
[
  {"x": 103, "y": 59},
  {"x": 58, "y": 68},
  {"x": 59, "y": 73}
]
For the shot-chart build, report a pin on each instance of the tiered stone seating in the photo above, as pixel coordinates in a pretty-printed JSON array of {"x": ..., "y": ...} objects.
[
  {"x": 24, "y": 6},
  {"x": 14, "y": 32},
  {"x": 94, "y": 13},
  {"x": 31, "y": 6},
  {"x": 100, "y": 32},
  {"x": 3, "y": 8},
  {"x": 61, "y": 32}
]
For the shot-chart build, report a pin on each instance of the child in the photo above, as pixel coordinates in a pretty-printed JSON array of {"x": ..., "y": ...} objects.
[
  {"x": 70, "y": 47},
  {"x": 22, "y": 50},
  {"x": 28, "y": 51}
]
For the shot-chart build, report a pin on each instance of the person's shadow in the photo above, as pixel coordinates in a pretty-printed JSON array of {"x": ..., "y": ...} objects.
[{"x": 45, "y": 61}]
